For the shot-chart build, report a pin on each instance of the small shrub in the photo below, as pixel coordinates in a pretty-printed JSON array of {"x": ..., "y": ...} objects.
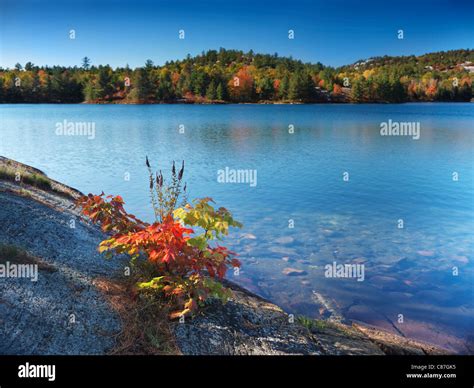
[{"x": 178, "y": 258}]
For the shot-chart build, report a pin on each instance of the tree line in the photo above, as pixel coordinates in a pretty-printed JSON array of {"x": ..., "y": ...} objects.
[{"x": 235, "y": 76}]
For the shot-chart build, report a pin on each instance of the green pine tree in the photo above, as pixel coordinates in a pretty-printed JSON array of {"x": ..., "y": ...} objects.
[{"x": 211, "y": 92}]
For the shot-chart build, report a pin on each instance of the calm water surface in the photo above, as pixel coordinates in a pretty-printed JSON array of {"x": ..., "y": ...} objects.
[{"x": 408, "y": 272}]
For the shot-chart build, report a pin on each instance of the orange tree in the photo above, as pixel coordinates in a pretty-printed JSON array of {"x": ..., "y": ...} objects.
[{"x": 183, "y": 264}]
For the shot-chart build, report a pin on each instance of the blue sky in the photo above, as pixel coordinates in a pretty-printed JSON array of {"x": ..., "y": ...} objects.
[{"x": 129, "y": 32}]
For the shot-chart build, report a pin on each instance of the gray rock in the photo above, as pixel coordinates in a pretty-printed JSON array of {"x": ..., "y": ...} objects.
[
  {"x": 245, "y": 325},
  {"x": 35, "y": 316}
]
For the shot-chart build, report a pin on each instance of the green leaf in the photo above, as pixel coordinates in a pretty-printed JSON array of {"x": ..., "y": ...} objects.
[
  {"x": 198, "y": 242},
  {"x": 153, "y": 283}
]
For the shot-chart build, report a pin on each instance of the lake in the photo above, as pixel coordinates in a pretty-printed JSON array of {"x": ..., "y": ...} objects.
[{"x": 328, "y": 189}]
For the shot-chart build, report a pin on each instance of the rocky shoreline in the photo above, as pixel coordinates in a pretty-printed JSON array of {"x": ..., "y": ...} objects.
[{"x": 64, "y": 312}]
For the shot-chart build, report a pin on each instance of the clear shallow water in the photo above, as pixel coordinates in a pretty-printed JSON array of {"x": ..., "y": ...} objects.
[{"x": 407, "y": 271}]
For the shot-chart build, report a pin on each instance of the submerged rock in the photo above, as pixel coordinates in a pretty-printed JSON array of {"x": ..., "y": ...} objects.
[
  {"x": 283, "y": 250},
  {"x": 293, "y": 272},
  {"x": 426, "y": 253},
  {"x": 326, "y": 307},
  {"x": 284, "y": 240}
]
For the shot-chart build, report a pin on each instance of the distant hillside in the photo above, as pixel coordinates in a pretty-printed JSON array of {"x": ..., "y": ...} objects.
[
  {"x": 234, "y": 76},
  {"x": 440, "y": 76},
  {"x": 440, "y": 60}
]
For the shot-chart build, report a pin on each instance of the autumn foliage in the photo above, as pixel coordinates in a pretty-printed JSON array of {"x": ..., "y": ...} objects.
[
  {"x": 174, "y": 256},
  {"x": 337, "y": 89},
  {"x": 245, "y": 77},
  {"x": 241, "y": 86}
]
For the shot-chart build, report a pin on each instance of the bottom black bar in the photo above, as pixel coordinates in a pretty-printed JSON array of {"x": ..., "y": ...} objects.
[{"x": 318, "y": 371}]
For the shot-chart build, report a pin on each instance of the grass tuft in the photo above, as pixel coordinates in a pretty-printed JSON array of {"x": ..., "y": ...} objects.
[
  {"x": 17, "y": 255},
  {"x": 312, "y": 324},
  {"x": 33, "y": 179},
  {"x": 146, "y": 328}
]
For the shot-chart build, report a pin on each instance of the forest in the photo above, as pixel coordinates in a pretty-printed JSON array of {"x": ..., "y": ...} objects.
[{"x": 232, "y": 76}]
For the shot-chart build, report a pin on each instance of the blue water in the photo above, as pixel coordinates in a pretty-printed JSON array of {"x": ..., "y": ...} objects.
[{"x": 409, "y": 284}]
